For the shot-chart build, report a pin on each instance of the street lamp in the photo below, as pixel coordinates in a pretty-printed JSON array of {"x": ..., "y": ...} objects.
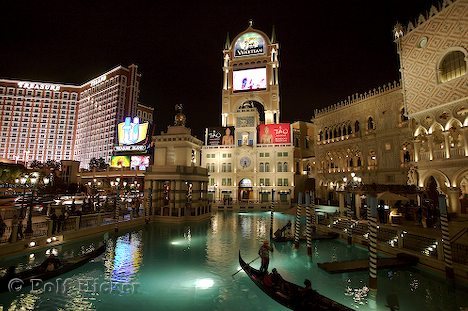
[
  {"x": 34, "y": 180},
  {"x": 22, "y": 181},
  {"x": 261, "y": 193},
  {"x": 216, "y": 190},
  {"x": 352, "y": 184}
]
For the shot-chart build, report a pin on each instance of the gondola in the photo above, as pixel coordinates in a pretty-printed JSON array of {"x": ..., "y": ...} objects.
[
  {"x": 25, "y": 278},
  {"x": 328, "y": 236},
  {"x": 289, "y": 293}
]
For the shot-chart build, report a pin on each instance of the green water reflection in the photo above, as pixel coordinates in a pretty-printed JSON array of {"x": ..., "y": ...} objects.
[{"x": 190, "y": 267}]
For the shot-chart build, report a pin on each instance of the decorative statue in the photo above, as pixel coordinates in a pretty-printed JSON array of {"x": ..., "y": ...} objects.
[{"x": 413, "y": 176}]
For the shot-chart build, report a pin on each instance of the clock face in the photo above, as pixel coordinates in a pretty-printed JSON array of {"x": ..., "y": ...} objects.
[{"x": 245, "y": 162}]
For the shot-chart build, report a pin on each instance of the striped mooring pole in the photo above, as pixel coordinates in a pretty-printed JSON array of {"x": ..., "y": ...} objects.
[
  {"x": 313, "y": 213},
  {"x": 372, "y": 230},
  {"x": 349, "y": 213},
  {"x": 308, "y": 224},
  {"x": 148, "y": 207},
  {"x": 271, "y": 214},
  {"x": 297, "y": 224},
  {"x": 444, "y": 227}
]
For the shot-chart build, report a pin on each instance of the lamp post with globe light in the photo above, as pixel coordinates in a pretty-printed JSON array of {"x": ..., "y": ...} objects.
[
  {"x": 350, "y": 185},
  {"x": 34, "y": 180}
]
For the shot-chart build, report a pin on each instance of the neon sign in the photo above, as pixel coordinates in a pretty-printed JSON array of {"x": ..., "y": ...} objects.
[
  {"x": 38, "y": 86},
  {"x": 98, "y": 80}
]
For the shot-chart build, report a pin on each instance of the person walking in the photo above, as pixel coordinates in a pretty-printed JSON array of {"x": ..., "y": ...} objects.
[
  {"x": 53, "y": 218},
  {"x": 264, "y": 253}
]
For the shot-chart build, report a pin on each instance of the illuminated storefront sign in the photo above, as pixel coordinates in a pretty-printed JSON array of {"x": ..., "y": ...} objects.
[
  {"x": 220, "y": 136},
  {"x": 274, "y": 133},
  {"x": 120, "y": 161},
  {"x": 132, "y": 132},
  {"x": 249, "y": 44},
  {"x": 98, "y": 80},
  {"x": 39, "y": 86},
  {"x": 121, "y": 148}
]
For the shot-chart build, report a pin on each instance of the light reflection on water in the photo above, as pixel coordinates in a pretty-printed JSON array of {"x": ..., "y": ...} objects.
[{"x": 190, "y": 267}]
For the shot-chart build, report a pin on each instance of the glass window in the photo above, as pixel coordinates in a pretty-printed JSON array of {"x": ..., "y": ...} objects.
[{"x": 453, "y": 65}]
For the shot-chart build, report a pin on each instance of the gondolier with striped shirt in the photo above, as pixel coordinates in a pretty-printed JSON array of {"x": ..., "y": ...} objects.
[{"x": 264, "y": 253}]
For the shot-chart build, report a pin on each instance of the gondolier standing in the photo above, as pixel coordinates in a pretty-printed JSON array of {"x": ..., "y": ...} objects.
[{"x": 264, "y": 253}]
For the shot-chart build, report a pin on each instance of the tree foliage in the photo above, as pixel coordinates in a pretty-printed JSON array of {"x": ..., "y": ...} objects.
[{"x": 99, "y": 164}]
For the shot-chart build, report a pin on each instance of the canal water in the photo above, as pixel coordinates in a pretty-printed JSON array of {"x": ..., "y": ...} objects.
[{"x": 190, "y": 267}]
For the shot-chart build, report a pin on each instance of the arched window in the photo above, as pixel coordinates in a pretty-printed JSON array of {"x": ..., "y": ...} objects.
[
  {"x": 356, "y": 127},
  {"x": 370, "y": 123},
  {"x": 279, "y": 167},
  {"x": 326, "y": 135},
  {"x": 267, "y": 167},
  {"x": 320, "y": 135},
  {"x": 350, "y": 130},
  {"x": 452, "y": 66},
  {"x": 285, "y": 167},
  {"x": 262, "y": 167}
]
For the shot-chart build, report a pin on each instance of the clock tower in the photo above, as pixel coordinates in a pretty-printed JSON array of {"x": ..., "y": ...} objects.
[
  {"x": 250, "y": 76},
  {"x": 256, "y": 166}
]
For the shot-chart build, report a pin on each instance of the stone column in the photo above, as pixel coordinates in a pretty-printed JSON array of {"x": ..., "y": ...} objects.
[
  {"x": 173, "y": 196},
  {"x": 447, "y": 145},
  {"x": 341, "y": 199},
  {"x": 417, "y": 146},
  {"x": 465, "y": 140},
  {"x": 453, "y": 200},
  {"x": 431, "y": 147},
  {"x": 357, "y": 203}
]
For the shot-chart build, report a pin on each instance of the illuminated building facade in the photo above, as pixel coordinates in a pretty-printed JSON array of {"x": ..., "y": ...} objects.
[
  {"x": 176, "y": 184},
  {"x": 104, "y": 102},
  {"x": 411, "y": 133},
  {"x": 38, "y": 120},
  {"x": 367, "y": 135},
  {"x": 49, "y": 121},
  {"x": 250, "y": 156},
  {"x": 434, "y": 65}
]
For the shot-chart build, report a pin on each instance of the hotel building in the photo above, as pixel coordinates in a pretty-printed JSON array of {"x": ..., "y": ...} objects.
[{"x": 53, "y": 121}]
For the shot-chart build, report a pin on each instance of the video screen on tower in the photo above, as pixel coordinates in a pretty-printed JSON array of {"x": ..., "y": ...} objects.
[{"x": 249, "y": 79}]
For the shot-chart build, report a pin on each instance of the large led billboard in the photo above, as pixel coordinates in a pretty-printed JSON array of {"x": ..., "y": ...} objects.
[
  {"x": 139, "y": 162},
  {"x": 220, "y": 136},
  {"x": 249, "y": 79},
  {"x": 249, "y": 44},
  {"x": 131, "y": 131},
  {"x": 274, "y": 133},
  {"x": 120, "y": 161}
]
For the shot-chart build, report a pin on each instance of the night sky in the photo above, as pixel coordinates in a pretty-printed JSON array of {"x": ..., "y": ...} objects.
[{"x": 327, "y": 52}]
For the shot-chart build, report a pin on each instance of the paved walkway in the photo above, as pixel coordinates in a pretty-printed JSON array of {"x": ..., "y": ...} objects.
[{"x": 408, "y": 225}]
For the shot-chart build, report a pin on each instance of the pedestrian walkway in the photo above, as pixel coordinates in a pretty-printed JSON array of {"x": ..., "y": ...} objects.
[{"x": 401, "y": 261}]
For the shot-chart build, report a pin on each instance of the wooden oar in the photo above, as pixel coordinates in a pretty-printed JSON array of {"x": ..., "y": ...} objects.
[{"x": 247, "y": 263}]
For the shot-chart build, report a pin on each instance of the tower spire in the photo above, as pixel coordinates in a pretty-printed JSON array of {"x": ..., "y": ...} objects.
[{"x": 227, "y": 44}]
